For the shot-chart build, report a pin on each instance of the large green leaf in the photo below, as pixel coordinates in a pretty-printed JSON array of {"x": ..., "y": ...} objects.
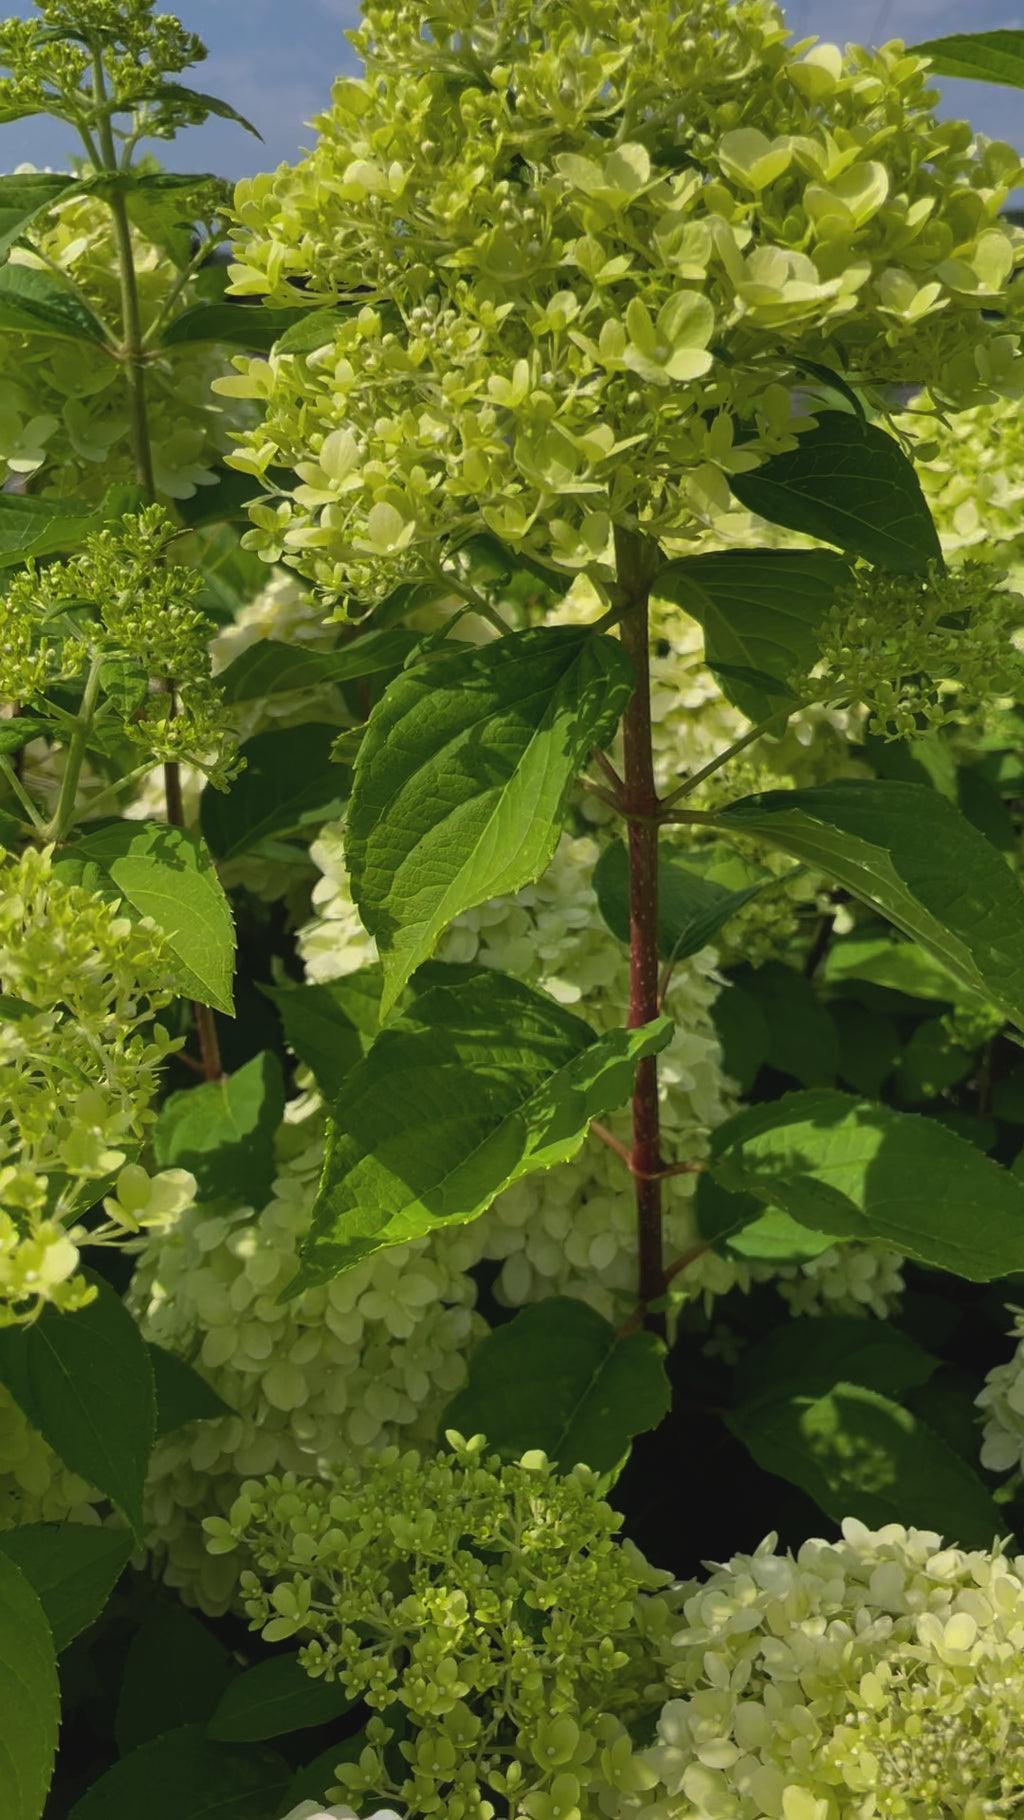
[
  {"x": 289, "y": 782},
  {"x": 760, "y": 611},
  {"x": 29, "y": 1698},
  {"x": 697, "y": 894},
  {"x": 33, "y": 303},
  {"x": 851, "y": 1167},
  {"x": 175, "y": 1672},
  {"x": 910, "y": 854},
  {"x": 181, "y": 1394},
  {"x": 463, "y": 778},
  {"x": 476, "y": 1085},
  {"x": 559, "y": 1377},
  {"x": 23, "y": 196},
  {"x": 272, "y": 668},
  {"x": 236, "y": 325},
  {"x": 167, "y": 874},
  {"x": 40, "y": 527},
  {"x": 859, "y": 1454},
  {"x": 319, "y": 1030},
  {"x": 223, "y": 1131},
  {"x": 71, "y": 1567},
  {"x": 980, "y": 56},
  {"x": 85, "y": 1381},
  {"x": 850, "y": 484},
  {"x": 274, "y": 1698},
  {"x": 809, "y": 1357},
  {"x": 184, "y": 1775}
]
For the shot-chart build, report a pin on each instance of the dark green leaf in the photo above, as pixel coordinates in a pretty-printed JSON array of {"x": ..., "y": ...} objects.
[
  {"x": 911, "y": 855},
  {"x": 829, "y": 378},
  {"x": 312, "y": 329},
  {"x": 320, "y": 1032},
  {"x": 41, "y": 527},
  {"x": 181, "y": 1394},
  {"x": 694, "y": 901},
  {"x": 856, "y": 1169},
  {"x": 23, "y": 196},
  {"x": 931, "y": 1061},
  {"x": 125, "y": 683},
  {"x": 272, "y": 668},
  {"x": 71, "y": 1567},
  {"x": 313, "y": 1780},
  {"x": 167, "y": 874},
  {"x": 19, "y": 730},
  {"x": 223, "y": 503},
  {"x": 760, "y": 612},
  {"x": 476, "y": 1085},
  {"x": 175, "y": 1672},
  {"x": 980, "y": 56},
  {"x": 33, "y": 303},
  {"x": 463, "y": 778},
  {"x": 236, "y": 325},
  {"x": 289, "y": 782},
  {"x": 184, "y": 1775},
  {"x": 560, "y": 1378},
  {"x": 850, "y": 484},
  {"x": 743, "y": 1033},
  {"x": 29, "y": 1698},
  {"x": 201, "y": 106},
  {"x": 857, "y": 1453},
  {"x": 223, "y": 1131},
  {"x": 869, "y": 1045},
  {"x": 274, "y": 1698},
  {"x": 810, "y": 1357},
  {"x": 84, "y": 1380},
  {"x": 801, "y": 1039}
]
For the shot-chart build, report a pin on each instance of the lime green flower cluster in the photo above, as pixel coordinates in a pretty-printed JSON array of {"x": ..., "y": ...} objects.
[
  {"x": 488, "y": 1612},
  {"x": 64, "y": 415},
  {"x": 972, "y": 474},
  {"x": 123, "y": 616},
  {"x": 595, "y": 247},
  {"x": 921, "y": 652},
  {"x": 78, "y": 981},
  {"x": 51, "y": 59}
]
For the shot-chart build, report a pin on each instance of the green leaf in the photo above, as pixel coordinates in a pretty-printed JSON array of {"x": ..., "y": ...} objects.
[
  {"x": 19, "y": 730},
  {"x": 289, "y": 782},
  {"x": 849, "y": 484},
  {"x": 743, "y": 1033},
  {"x": 208, "y": 104},
  {"x": 778, "y": 1239},
  {"x": 801, "y": 1037},
  {"x": 311, "y": 1781},
  {"x": 175, "y": 1672},
  {"x": 980, "y": 56},
  {"x": 810, "y": 1357},
  {"x": 271, "y": 668},
  {"x": 319, "y": 1031},
  {"x": 41, "y": 527},
  {"x": 23, "y": 196},
  {"x": 181, "y": 1394},
  {"x": 760, "y": 612},
  {"x": 185, "y": 1776},
  {"x": 223, "y": 1131},
  {"x": 29, "y": 1698},
  {"x": 223, "y": 503},
  {"x": 896, "y": 965},
  {"x": 274, "y": 1698},
  {"x": 312, "y": 329},
  {"x": 71, "y": 1567},
  {"x": 476, "y": 1085},
  {"x": 238, "y": 325},
  {"x": 33, "y": 303},
  {"x": 167, "y": 874},
  {"x": 463, "y": 777},
  {"x": 857, "y": 1453},
  {"x": 85, "y": 1381},
  {"x": 842, "y": 1165},
  {"x": 559, "y": 1377},
  {"x": 910, "y": 854},
  {"x": 692, "y": 902}
]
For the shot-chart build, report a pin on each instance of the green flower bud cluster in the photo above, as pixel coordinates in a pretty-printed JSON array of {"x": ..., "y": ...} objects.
[
  {"x": 594, "y": 249},
  {"x": 78, "y": 981},
  {"x": 491, "y": 1607},
  {"x": 119, "y": 609},
  {"x": 64, "y": 414},
  {"x": 51, "y": 60},
  {"x": 924, "y": 652}
]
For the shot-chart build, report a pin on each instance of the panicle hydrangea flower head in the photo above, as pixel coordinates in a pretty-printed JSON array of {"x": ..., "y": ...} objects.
[
  {"x": 1002, "y": 1401},
  {"x": 79, "y": 982},
  {"x": 547, "y": 222},
  {"x": 493, "y": 1603},
  {"x": 877, "y": 1677}
]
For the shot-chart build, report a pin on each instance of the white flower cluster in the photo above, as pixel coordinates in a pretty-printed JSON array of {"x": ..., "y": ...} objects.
[
  {"x": 309, "y": 1810},
  {"x": 845, "y": 1279},
  {"x": 372, "y": 1357},
  {"x": 1002, "y": 1400},
  {"x": 879, "y": 1677}
]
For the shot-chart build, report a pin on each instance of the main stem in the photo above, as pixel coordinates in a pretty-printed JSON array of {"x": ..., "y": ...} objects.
[
  {"x": 635, "y": 566},
  {"x": 133, "y": 354}
]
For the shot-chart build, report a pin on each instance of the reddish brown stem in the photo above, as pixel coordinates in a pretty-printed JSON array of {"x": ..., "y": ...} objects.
[{"x": 636, "y": 561}]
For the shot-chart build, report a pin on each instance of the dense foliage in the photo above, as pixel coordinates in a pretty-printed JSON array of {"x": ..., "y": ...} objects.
[{"x": 511, "y": 936}]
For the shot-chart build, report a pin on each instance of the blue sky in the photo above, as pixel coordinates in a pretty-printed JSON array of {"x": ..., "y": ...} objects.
[{"x": 274, "y": 61}]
